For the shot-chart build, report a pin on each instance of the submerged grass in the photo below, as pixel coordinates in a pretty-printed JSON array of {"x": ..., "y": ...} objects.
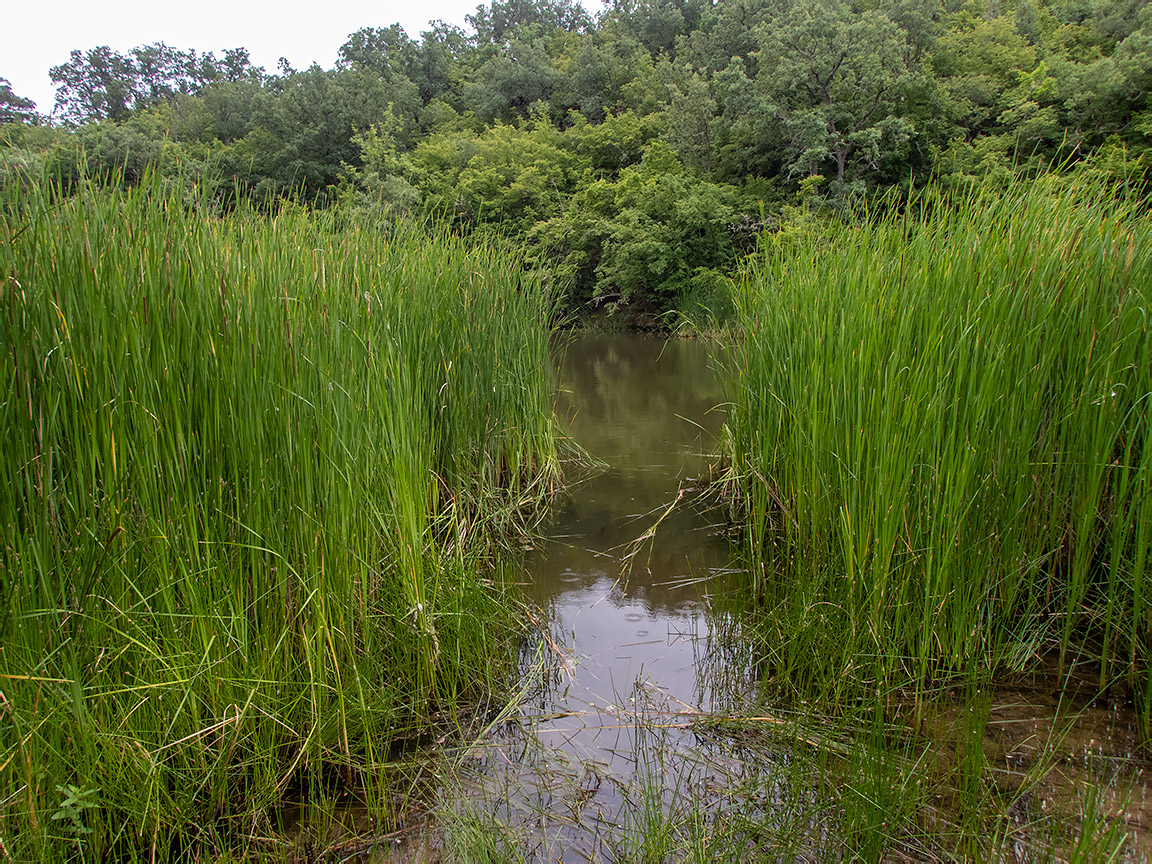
[
  {"x": 939, "y": 431},
  {"x": 798, "y": 785},
  {"x": 250, "y": 464}
]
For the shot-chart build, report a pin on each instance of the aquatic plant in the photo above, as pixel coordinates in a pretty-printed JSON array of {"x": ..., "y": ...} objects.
[
  {"x": 939, "y": 434},
  {"x": 251, "y": 464}
]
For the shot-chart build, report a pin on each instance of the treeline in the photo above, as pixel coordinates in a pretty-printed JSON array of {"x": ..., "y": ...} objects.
[{"x": 638, "y": 154}]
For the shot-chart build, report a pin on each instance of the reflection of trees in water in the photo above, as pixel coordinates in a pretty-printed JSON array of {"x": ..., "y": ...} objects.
[
  {"x": 625, "y": 396},
  {"x": 618, "y": 658},
  {"x": 647, "y": 407},
  {"x": 729, "y": 665},
  {"x": 666, "y": 573}
]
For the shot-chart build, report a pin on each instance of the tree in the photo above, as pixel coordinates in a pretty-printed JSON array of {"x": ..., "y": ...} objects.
[
  {"x": 747, "y": 139},
  {"x": 978, "y": 63},
  {"x": 97, "y": 85},
  {"x": 655, "y": 24},
  {"x": 648, "y": 240},
  {"x": 388, "y": 51},
  {"x": 508, "y": 177},
  {"x": 228, "y": 107},
  {"x": 610, "y": 73},
  {"x": 620, "y": 141},
  {"x": 102, "y": 84},
  {"x": 438, "y": 66},
  {"x": 837, "y": 78},
  {"x": 236, "y": 66},
  {"x": 691, "y": 117},
  {"x": 381, "y": 180},
  {"x": 1106, "y": 96},
  {"x": 13, "y": 108},
  {"x": 497, "y": 23},
  {"x": 509, "y": 84},
  {"x": 727, "y": 30},
  {"x": 302, "y": 136}
]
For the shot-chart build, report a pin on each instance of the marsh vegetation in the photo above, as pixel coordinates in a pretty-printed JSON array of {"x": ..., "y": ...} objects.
[
  {"x": 270, "y": 475},
  {"x": 939, "y": 432},
  {"x": 253, "y": 468},
  {"x": 938, "y": 438}
]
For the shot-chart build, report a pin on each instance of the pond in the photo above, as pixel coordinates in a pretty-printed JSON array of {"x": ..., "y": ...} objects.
[
  {"x": 603, "y": 755},
  {"x": 623, "y": 663}
]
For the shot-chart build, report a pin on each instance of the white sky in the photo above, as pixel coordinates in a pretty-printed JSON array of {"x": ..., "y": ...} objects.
[{"x": 39, "y": 34}]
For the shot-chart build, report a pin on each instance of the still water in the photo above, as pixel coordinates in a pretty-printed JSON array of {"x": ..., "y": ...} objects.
[
  {"x": 624, "y": 662},
  {"x": 634, "y": 646},
  {"x": 626, "y": 595},
  {"x": 637, "y": 642}
]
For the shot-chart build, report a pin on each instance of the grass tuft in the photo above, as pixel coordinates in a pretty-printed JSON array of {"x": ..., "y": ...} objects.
[
  {"x": 939, "y": 430},
  {"x": 251, "y": 466}
]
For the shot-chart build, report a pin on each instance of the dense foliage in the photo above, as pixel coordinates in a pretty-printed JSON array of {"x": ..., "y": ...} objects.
[
  {"x": 251, "y": 464},
  {"x": 639, "y": 151},
  {"x": 940, "y": 430}
]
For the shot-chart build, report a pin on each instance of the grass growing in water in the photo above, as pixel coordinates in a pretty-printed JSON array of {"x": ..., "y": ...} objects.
[
  {"x": 250, "y": 464},
  {"x": 940, "y": 432}
]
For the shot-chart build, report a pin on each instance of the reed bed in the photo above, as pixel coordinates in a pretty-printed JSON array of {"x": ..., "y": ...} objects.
[
  {"x": 251, "y": 463},
  {"x": 939, "y": 434}
]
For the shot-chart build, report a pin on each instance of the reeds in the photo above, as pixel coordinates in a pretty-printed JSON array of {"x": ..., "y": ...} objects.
[
  {"x": 940, "y": 434},
  {"x": 250, "y": 463}
]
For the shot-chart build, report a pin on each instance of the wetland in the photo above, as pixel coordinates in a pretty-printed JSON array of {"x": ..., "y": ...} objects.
[{"x": 320, "y": 544}]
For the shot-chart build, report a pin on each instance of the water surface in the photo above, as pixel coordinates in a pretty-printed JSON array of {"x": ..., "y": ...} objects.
[
  {"x": 630, "y": 586},
  {"x": 624, "y": 582}
]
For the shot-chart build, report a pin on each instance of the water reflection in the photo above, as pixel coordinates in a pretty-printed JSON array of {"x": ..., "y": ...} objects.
[
  {"x": 623, "y": 647},
  {"x": 628, "y": 658},
  {"x": 648, "y": 409}
]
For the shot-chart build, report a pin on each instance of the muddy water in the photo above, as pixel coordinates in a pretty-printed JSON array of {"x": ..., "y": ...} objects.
[
  {"x": 624, "y": 582},
  {"x": 630, "y": 590},
  {"x": 1089, "y": 745},
  {"x": 623, "y": 579}
]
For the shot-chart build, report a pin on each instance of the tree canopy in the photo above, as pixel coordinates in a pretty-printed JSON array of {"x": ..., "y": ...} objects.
[
  {"x": 13, "y": 108},
  {"x": 635, "y": 154}
]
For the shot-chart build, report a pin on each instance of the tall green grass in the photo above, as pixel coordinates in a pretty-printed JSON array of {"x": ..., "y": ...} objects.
[
  {"x": 939, "y": 431},
  {"x": 250, "y": 464}
]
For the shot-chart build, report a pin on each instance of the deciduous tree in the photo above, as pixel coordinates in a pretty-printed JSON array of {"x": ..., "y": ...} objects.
[
  {"x": 13, "y": 108},
  {"x": 837, "y": 77}
]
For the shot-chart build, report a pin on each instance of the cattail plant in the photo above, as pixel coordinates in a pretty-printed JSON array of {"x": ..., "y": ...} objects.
[
  {"x": 251, "y": 466},
  {"x": 940, "y": 435}
]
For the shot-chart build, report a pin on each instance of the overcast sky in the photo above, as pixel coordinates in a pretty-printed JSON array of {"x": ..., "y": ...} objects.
[{"x": 38, "y": 34}]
